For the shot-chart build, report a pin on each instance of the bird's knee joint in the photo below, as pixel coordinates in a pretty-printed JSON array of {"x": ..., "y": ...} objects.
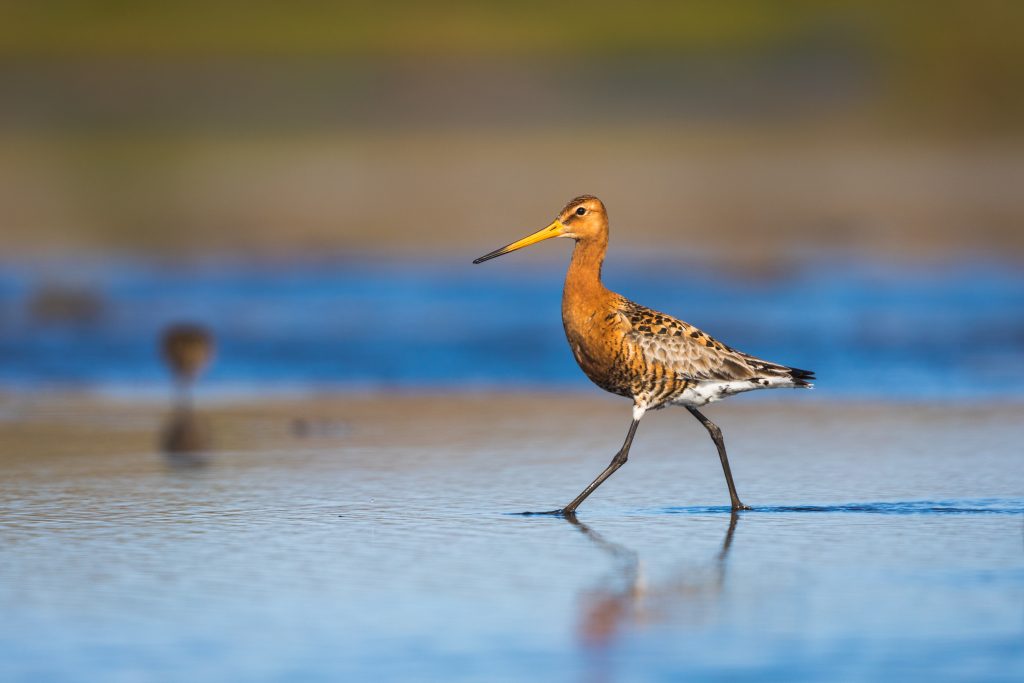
[{"x": 620, "y": 458}]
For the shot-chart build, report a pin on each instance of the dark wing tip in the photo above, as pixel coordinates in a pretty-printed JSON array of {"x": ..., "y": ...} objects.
[{"x": 802, "y": 378}]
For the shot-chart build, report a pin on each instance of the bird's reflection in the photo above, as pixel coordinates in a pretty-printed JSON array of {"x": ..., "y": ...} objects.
[
  {"x": 625, "y": 599},
  {"x": 185, "y": 439}
]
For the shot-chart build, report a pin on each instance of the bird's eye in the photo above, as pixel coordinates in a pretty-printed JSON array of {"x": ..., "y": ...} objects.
[{"x": 580, "y": 211}]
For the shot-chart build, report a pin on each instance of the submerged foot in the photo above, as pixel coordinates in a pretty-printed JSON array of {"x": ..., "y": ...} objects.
[{"x": 561, "y": 512}]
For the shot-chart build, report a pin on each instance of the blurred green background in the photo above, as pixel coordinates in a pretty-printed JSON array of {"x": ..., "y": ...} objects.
[{"x": 744, "y": 129}]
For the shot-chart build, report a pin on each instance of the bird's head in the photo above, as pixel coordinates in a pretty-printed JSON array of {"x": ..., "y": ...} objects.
[{"x": 583, "y": 218}]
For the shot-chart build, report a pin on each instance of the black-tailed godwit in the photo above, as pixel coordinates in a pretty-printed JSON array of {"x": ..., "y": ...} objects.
[{"x": 634, "y": 351}]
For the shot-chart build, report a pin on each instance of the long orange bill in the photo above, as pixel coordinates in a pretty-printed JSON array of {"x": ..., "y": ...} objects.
[{"x": 556, "y": 229}]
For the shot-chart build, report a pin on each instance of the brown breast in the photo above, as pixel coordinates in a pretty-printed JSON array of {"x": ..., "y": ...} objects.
[{"x": 595, "y": 332}]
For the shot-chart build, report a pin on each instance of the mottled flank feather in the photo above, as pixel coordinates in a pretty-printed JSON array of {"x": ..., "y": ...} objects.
[
  {"x": 695, "y": 355},
  {"x": 661, "y": 359}
]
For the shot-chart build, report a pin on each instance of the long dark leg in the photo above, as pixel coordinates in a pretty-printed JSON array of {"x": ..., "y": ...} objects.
[
  {"x": 716, "y": 436},
  {"x": 618, "y": 461}
]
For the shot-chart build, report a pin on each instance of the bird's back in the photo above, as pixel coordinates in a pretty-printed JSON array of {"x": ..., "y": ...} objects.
[{"x": 655, "y": 358}]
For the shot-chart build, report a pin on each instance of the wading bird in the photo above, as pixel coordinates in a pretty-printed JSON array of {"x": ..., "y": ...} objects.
[
  {"x": 639, "y": 353},
  {"x": 187, "y": 349},
  {"x": 185, "y": 438}
]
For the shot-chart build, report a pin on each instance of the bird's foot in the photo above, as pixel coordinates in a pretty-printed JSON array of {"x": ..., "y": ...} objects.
[
  {"x": 736, "y": 507},
  {"x": 561, "y": 512}
]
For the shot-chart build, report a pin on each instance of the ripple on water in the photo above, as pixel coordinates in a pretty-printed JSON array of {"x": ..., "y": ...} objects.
[
  {"x": 388, "y": 562},
  {"x": 970, "y": 506}
]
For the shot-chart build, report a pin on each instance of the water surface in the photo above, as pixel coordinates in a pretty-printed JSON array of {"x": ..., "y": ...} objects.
[{"x": 885, "y": 545}]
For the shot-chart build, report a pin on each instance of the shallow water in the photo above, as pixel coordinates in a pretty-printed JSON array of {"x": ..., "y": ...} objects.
[
  {"x": 884, "y": 545},
  {"x": 869, "y": 329}
]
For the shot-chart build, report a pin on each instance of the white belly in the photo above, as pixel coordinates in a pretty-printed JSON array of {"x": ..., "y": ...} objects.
[{"x": 702, "y": 393}]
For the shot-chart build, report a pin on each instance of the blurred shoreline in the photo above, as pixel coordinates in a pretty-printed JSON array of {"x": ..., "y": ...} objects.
[
  {"x": 745, "y": 130},
  {"x": 743, "y": 198}
]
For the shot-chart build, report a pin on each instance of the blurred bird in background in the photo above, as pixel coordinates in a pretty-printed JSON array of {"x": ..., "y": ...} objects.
[{"x": 187, "y": 350}]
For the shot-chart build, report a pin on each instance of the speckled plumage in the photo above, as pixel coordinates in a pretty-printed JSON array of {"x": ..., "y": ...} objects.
[
  {"x": 646, "y": 355},
  {"x": 657, "y": 359}
]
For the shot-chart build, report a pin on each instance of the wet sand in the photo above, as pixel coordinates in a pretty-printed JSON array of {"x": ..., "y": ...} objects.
[
  {"x": 377, "y": 538},
  {"x": 43, "y": 424}
]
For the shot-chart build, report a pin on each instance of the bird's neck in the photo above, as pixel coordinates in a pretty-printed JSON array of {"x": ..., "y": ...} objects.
[{"x": 583, "y": 281}]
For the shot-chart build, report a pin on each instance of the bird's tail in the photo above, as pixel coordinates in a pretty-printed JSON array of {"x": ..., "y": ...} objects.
[{"x": 801, "y": 378}]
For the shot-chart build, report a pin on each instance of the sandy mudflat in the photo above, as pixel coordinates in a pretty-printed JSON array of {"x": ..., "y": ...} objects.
[{"x": 69, "y": 423}]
